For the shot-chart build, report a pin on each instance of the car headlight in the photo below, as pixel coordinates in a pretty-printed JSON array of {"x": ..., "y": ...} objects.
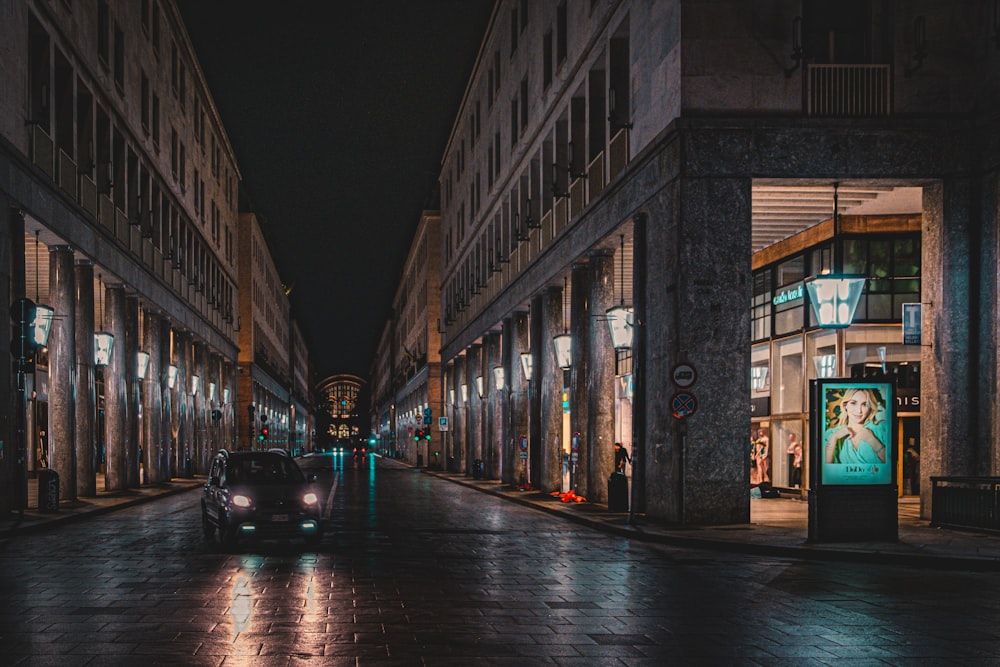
[
  {"x": 310, "y": 498},
  {"x": 242, "y": 501}
]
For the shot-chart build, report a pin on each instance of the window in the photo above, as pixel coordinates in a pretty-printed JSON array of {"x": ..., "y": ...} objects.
[
  {"x": 103, "y": 33},
  {"x": 156, "y": 121},
  {"x": 547, "y": 59},
  {"x": 760, "y": 309},
  {"x": 561, "y": 29},
  {"x": 524, "y": 104},
  {"x": 119, "y": 57},
  {"x": 144, "y": 101},
  {"x": 513, "y": 121},
  {"x": 514, "y": 31}
]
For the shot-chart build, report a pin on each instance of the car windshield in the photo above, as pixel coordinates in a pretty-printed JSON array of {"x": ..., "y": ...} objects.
[{"x": 263, "y": 470}]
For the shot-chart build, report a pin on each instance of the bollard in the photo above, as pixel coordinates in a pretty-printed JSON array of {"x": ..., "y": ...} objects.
[{"x": 477, "y": 469}]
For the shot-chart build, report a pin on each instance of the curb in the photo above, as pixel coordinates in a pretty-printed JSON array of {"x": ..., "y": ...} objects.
[{"x": 805, "y": 551}]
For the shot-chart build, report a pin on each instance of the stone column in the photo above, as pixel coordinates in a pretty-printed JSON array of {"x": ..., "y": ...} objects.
[
  {"x": 85, "y": 407},
  {"x": 152, "y": 399},
  {"x": 947, "y": 430},
  {"x": 474, "y": 411},
  {"x": 62, "y": 372},
  {"x": 697, "y": 290},
  {"x": 456, "y": 462},
  {"x": 581, "y": 321},
  {"x": 535, "y": 320},
  {"x": 492, "y": 443},
  {"x": 131, "y": 349},
  {"x": 182, "y": 400},
  {"x": 168, "y": 419},
  {"x": 550, "y": 388},
  {"x": 198, "y": 401},
  {"x": 505, "y": 402},
  {"x": 115, "y": 391},
  {"x": 518, "y": 386},
  {"x": 600, "y": 379}
]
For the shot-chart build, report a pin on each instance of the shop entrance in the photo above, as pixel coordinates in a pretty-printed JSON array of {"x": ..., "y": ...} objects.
[{"x": 909, "y": 445}]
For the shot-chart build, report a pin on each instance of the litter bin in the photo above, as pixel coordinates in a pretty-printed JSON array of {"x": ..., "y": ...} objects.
[
  {"x": 48, "y": 491},
  {"x": 188, "y": 467},
  {"x": 477, "y": 469},
  {"x": 618, "y": 492},
  {"x": 420, "y": 460}
]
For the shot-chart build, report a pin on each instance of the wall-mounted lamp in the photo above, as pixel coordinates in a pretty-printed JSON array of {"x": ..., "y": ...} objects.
[
  {"x": 451, "y": 396},
  {"x": 826, "y": 365},
  {"x": 172, "y": 378},
  {"x": 479, "y": 385},
  {"x": 498, "y": 378},
  {"x": 42, "y": 325},
  {"x": 225, "y": 396},
  {"x": 141, "y": 364},
  {"x": 564, "y": 350},
  {"x": 103, "y": 342},
  {"x": 465, "y": 392},
  {"x": 526, "y": 365},
  {"x": 211, "y": 391},
  {"x": 195, "y": 381},
  {"x": 621, "y": 319}
]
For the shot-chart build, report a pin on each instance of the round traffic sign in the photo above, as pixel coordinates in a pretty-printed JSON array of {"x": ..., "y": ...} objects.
[
  {"x": 684, "y": 375},
  {"x": 683, "y": 404}
]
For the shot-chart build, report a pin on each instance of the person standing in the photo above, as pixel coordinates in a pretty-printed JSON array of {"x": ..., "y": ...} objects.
[
  {"x": 621, "y": 458},
  {"x": 795, "y": 449}
]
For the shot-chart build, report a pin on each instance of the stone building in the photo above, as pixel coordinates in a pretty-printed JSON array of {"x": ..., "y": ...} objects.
[{"x": 670, "y": 158}]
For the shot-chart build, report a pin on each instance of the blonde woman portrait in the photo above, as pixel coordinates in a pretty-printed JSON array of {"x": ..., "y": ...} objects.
[{"x": 851, "y": 415}]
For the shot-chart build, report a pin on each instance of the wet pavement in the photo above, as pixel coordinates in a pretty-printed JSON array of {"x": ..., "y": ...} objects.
[
  {"x": 419, "y": 568},
  {"x": 778, "y": 526}
]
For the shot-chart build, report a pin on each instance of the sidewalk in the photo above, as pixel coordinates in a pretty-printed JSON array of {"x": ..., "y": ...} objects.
[
  {"x": 17, "y": 523},
  {"x": 778, "y": 527}
]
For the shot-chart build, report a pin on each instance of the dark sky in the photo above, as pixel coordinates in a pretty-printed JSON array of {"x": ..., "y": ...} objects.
[{"x": 338, "y": 113}]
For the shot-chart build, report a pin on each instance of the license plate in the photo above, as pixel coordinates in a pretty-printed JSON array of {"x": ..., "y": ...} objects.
[{"x": 279, "y": 517}]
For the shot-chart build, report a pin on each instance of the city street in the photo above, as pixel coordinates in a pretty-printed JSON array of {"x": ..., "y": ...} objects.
[{"x": 414, "y": 569}]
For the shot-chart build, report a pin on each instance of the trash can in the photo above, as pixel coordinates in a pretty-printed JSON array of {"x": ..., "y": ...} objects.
[
  {"x": 48, "y": 490},
  {"x": 618, "y": 492},
  {"x": 188, "y": 467},
  {"x": 420, "y": 460},
  {"x": 477, "y": 469}
]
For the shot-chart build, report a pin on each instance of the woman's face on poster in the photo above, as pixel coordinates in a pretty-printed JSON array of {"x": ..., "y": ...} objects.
[{"x": 857, "y": 407}]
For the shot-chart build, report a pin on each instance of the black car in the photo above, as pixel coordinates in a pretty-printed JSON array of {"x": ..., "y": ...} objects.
[{"x": 259, "y": 494}]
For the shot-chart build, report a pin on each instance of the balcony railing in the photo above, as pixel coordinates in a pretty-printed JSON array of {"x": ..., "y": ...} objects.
[{"x": 852, "y": 91}]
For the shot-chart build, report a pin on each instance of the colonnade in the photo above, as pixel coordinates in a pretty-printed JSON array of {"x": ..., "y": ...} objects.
[{"x": 165, "y": 420}]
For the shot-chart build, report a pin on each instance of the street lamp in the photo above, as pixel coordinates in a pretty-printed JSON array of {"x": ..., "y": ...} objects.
[
  {"x": 195, "y": 380},
  {"x": 834, "y": 300},
  {"x": 479, "y": 385},
  {"x": 621, "y": 320},
  {"x": 172, "y": 376},
  {"x": 142, "y": 364},
  {"x": 498, "y": 378},
  {"x": 526, "y": 365},
  {"x": 564, "y": 350},
  {"x": 103, "y": 342},
  {"x": 42, "y": 324}
]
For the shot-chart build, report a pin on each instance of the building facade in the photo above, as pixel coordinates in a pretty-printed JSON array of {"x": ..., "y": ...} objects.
[
  {"x": 407, "y": 405},
  {"x": 119, "y": 208},
  {"x": 652, "y": 156}
]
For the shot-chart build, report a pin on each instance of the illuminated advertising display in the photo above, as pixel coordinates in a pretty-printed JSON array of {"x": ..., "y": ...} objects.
[{"x": 855, "y": 439}]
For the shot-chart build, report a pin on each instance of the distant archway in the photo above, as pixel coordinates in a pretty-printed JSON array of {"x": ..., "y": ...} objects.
[{"x": 342, "y": 414}]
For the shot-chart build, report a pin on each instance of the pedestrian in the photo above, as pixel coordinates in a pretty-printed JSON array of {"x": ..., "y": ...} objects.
[{"x": 621, "y": 458}]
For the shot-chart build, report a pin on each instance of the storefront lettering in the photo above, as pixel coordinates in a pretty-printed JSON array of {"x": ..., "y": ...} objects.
[{"x": 789, "y": 295}]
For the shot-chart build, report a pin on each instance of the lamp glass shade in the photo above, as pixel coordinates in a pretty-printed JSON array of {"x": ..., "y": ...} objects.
[
  {"x": 171, "y": 376},
  {"x": 479, "y": 385},
  {"x": 451, "y": 396},
  {"x": 211, "y": 391},
  {"x": 498, "y": 377},
  {"x": 103, "y": 342},
  {"x": 564, "y": 351},
  {"x": 195, "y": 381},
  {"x": 225, "y": 396},
  {"x": 141, "y": 364},
  {"x": 621, "y": 320},
  {"x": 835, "y": 298},
  {"x": 526, "y": 365},
  {"x": 465, "y": 393},
  {"x": 42, "y": 325},
  {"x": 826, "y": 365}
]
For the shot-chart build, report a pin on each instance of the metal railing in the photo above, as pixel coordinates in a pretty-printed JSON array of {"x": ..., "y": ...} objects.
[
  {"x": 848, "y": 90},
  {"x": 966, "y": 502}
]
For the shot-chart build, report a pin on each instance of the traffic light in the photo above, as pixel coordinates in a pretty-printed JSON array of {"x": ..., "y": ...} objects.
[
  {"x": 263, "y": 433},
  {"x": 418, "y": 435},
  {"x": 427, "y": 434}
]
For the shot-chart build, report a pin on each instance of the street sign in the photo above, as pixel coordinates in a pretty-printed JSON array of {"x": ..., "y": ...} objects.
[
  {"x": 442, "y": 423},
  {"x": 427, "y": 412},
  {"x": 683, "y": 404},
  {"x": 684, "y": 375},
  {"x": 427, "y": 419}
]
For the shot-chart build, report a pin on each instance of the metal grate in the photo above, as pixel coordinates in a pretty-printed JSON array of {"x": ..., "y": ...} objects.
[{"x": 848, "y": 91}]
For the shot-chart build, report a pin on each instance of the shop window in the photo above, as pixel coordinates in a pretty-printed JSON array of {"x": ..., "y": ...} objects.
[
  {"x": 787, "y": 386},
  {"x": 787, "y": 453},
  {"x": 760, "y": 308}
]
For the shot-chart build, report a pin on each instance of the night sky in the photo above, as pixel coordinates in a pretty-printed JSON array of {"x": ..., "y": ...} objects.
[{"x": 339, "y": 113}]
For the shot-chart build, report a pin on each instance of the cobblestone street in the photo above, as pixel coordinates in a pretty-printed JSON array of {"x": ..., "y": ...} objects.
[{"x": 414, "y": 569}]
